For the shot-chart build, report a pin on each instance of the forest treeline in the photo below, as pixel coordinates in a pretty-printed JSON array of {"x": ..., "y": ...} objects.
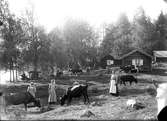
[{"x": 25, "y": 44}]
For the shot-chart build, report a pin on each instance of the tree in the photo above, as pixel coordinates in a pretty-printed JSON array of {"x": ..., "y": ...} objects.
[
  {"x": 118, "y": 37},
  {"x": 144, "y": 32},
  {"x": 58, "y": 48},
  {"x": 32, "y": 42},
  {"x": 161, "y": 28},
  {"x": 11, "y": 33},
  {"x": 108, "y": 41},
  {"x": 79, "y": 36}
]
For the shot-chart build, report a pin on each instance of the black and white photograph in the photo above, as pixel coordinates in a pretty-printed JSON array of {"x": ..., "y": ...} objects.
[{"x": 83, "y": 60}]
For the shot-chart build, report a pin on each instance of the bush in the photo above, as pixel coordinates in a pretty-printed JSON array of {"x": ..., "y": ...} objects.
[
  {"x": 151, "y": 91},
  {"x": 95, "y": 90}
]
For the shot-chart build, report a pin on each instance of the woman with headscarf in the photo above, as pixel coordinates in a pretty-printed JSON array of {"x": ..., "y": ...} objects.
[
  {"x": 52, "y": 92},
  {"x": 32, "y": 89},
  {"x": 113, "y": 84}
]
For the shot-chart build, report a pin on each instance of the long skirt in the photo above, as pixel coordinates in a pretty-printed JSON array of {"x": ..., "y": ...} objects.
[
  {"x": 113, "y": 88},
  {"x": 52, "y": 97}
]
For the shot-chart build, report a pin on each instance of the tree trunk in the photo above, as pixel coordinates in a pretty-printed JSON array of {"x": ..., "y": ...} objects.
[
  {"x": 10, "y": 75},
  {"x": 16, "y": 74},
  {"x": 10, "y": 72},
  {"x": 13, "y": 75}
]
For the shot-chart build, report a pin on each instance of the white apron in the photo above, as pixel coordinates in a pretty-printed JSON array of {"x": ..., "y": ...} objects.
[
  {"x": 113, "y": 88},
  {"x": 52, "y": 93}
]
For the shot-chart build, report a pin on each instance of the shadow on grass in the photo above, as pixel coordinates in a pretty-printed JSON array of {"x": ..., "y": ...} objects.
[
  {"x": 158, "y": 72},
  {"x": 149, "y": 81},
  {"x": 131, "y": 92}
]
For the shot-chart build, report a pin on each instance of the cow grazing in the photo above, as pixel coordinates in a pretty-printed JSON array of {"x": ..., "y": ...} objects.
[
  {"x": 74, "y": 92},
  {"x": 21, "y": 98},
  {"x": 127, "y": 78}
]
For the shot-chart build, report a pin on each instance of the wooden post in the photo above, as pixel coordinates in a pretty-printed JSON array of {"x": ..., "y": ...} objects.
[
  {"x": 16, "y": 74},
  {"x": 10, "y": 73}
]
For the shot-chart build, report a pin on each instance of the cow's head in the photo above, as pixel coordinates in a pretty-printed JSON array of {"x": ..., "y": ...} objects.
[
  {"x": 63, "y": 99},
  {"x": 37, "y": 103}
]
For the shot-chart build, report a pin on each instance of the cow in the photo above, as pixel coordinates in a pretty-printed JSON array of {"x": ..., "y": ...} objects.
[
  {"x": 129, "y": 68},
  {"x": 21, "y": 98},
  {"x": 74, "y": 92},
  {"x": 76, "y": 71},
  {"x": 126, "y": 68},
  {"x": 127, "y": 78},
  {"x": 134, "y": 70},
  {"x": 59, "y": 73}
]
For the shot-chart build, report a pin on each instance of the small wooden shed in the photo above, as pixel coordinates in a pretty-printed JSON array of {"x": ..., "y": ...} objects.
[
  {"x": 109, "y": 61},
  {"x": 139, "y": 58},
  {"x": 160, "y": 56}
]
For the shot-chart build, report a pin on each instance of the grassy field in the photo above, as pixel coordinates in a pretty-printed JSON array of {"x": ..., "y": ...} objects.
[{"x": 103, "y": 105}]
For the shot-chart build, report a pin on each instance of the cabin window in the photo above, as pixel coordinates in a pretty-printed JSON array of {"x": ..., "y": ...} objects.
[
  {"x": 137, "y": 62},
  {"x": 110, "y": 62}
]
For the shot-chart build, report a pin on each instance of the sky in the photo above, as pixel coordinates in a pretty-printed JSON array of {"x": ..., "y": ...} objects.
[{"x": 52, "y": 13}]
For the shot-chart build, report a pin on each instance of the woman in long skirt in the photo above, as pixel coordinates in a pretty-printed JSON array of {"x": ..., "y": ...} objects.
[
  {"x": 113, "y": 84},
  {"x": 52, "y": 92}
]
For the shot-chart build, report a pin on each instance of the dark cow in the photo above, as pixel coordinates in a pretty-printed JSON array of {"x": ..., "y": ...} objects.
[
  {"x": 59, "y": 73},
  {"x": 126, "y": 68},
  {"x": 129, "y": 68},
  {"x": 134, "y": 71},
  {"x": 21, "y": 98},
  {"x": 127, "y": 78},
  {"x": 80, "y": 90},
  {"x": 76, "y": 71}
]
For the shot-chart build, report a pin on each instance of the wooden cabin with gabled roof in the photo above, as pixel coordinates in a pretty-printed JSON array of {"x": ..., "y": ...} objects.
[
  {"x": 139, "y": 58},
  {"x": 109, "y": 61}
]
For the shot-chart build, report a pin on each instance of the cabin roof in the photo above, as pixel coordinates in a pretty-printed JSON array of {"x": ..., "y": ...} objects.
[
  {"x": 136, "y": 50},
  {"x": 160, "y": 54}
]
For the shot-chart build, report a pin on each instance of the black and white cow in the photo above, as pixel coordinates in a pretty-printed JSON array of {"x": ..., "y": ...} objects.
[
  {"x": 76, "y": 71},
  {"x": 74, "y": 92}
]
